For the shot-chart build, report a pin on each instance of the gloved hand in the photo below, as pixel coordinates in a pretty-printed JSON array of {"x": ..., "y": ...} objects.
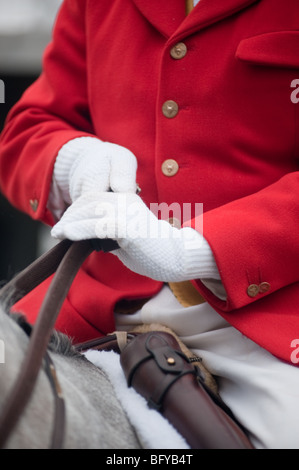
[
  {"x": 148, "y": 246},
  {"x": 87, "y": 164}
]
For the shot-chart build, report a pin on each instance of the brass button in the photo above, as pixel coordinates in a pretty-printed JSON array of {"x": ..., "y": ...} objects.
[
  {"x": 178, "y": 51},
  {"x": 170, "y": 167},
  {"x": 174, "y": 222},
  {"x": 171, "y": 361},
  {"x": 264, "y": 287},
  {"x": 170, "y": 109},
  {"x": 253, "y": 290},
  {"x": 33, "y": 204}
]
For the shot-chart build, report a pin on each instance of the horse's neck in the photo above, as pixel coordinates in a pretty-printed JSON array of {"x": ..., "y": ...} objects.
[
  {"x": 15, "y": 343},
  {"x": 95, "y": 418}
]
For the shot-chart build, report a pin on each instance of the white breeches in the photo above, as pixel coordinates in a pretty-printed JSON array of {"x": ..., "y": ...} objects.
[{"x": 261, "y": 390}]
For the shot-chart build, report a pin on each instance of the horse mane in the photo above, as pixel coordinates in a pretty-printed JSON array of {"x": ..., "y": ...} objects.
[
  {"x": 62, "y": 344},
  {"x": 59, "y": 342}
]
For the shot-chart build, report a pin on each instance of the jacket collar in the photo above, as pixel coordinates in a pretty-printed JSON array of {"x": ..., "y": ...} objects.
[{"x": 169, "y": 17}]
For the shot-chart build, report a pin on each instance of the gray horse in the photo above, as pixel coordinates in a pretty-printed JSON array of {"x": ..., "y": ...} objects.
[
  {"x": 95, "y": 405},
  {"x": 94, "y": 417}
]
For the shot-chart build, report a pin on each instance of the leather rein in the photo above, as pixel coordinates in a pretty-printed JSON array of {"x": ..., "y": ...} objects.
[
  {"x": 59, "y": 404},
  {"x": 64, "y": 259}
]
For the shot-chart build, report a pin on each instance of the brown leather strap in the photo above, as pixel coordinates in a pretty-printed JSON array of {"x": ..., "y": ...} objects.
[
  {"x": 59, "y": 405},
  {"x": 36, "y": 272},
  {"x": 73, "y": 256},
  {"x": 153, "y": 365},
  {"x": 172, "y": 362},
  {"x": 59, "y": 417},
  {"x": 111, "y": 342}
]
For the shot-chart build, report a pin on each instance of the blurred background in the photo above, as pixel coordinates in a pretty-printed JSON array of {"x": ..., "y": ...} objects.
[{"x": 25, "y": 30}]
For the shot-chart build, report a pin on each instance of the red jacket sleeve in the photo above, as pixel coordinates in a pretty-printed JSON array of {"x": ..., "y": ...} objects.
[
  {"x": 255, "y": 241},
  {"x": 49, "y": 114}
]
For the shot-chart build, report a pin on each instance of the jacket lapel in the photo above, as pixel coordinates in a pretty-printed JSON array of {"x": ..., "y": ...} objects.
[
  {"x": 208, "y": 12},
  {"x": 169, "y": 16},
  {"x": 165, "y": 15}
]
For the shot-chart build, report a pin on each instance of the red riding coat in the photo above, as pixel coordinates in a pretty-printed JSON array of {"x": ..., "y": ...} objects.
[{"x": 231, "y": 68}]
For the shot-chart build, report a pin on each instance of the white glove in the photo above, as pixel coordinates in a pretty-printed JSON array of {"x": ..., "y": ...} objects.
[
  {"x": 148, "y": 246},
  {"x": 87, "y": 164}
]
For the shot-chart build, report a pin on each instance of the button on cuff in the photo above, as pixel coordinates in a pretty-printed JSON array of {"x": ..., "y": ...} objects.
[
  {"x": 33, "y": 204},
  {"x": 264, "y": 287},
  {"x": 253, "y": 290}
]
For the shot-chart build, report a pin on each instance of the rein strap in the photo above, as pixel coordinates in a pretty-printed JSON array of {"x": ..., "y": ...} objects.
[{"x": 65, "y": 258}]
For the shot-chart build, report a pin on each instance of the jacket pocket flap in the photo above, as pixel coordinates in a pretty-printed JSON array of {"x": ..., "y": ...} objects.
[{"x": 271, "y": 49}]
